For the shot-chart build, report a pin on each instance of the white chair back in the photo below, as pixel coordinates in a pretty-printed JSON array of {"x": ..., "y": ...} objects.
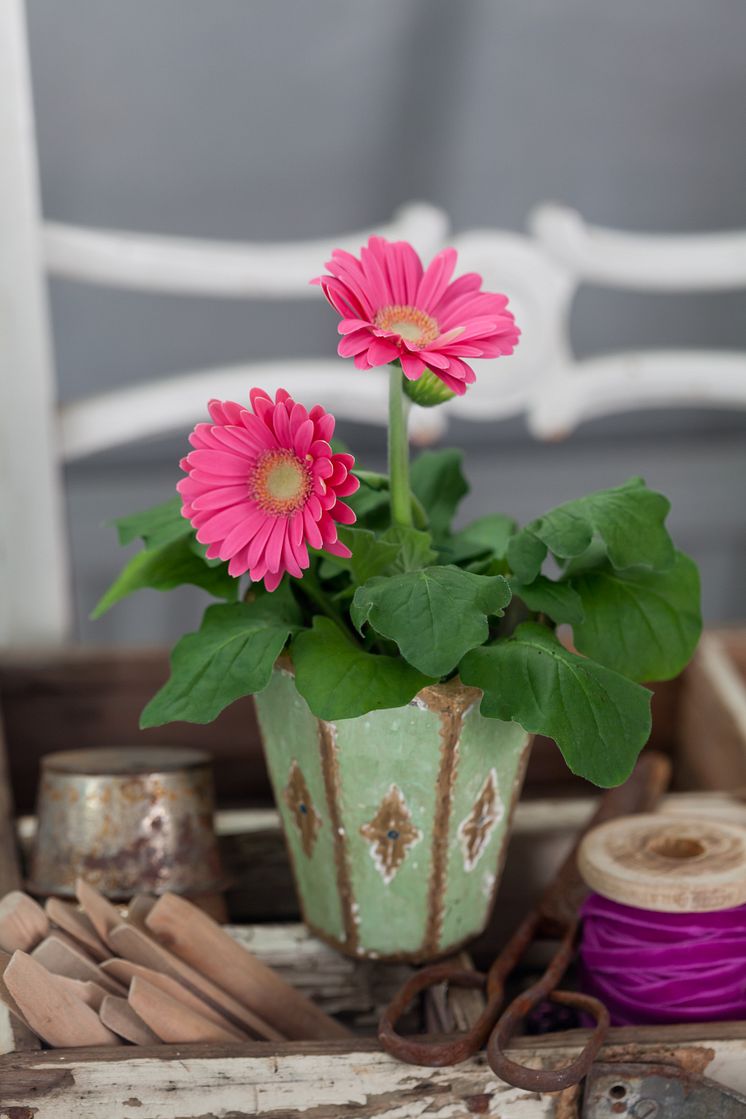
[{"x": 541, "y": 273}]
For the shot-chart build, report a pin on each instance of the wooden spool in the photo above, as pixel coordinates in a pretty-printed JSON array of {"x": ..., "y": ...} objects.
[{"x": 672, "y": 866}]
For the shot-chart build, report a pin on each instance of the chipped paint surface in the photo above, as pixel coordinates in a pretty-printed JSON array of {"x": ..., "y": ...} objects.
[
  {"x": 327, "y": 1082},
  {"x": 366, "y": 1084}
]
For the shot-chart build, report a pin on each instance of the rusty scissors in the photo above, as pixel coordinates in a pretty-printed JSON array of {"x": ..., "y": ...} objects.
[{"x": 556, "y": 916}]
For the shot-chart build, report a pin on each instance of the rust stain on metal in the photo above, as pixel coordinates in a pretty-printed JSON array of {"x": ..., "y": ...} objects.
[
  {"x": 18, "y": 1112},
  {"x": 548, "y": 1079},
  {"x": 127, "y": 820}
]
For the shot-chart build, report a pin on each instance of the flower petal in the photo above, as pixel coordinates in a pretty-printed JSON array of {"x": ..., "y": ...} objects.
[
  {"x": 412, "y": 366},
  {"x": 435, "y": 281}
]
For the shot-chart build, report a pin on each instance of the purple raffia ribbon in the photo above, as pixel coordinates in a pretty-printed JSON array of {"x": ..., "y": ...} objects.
[{"x": 653, "y": 968}]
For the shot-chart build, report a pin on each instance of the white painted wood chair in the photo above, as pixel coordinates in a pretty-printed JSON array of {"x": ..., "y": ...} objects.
[
  {"x": 541, "y": 272},
  {"x": 36, "y": 437}
]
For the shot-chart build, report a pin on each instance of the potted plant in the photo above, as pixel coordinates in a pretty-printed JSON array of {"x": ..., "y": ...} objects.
[{"x": 400, "y": 665}]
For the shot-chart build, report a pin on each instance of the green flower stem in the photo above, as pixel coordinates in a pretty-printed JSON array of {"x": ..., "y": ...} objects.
[
  {"x": 377, "y": 481},
  {"x": 312, "y": 590},
  {"x": 421, "y": 520},
  {"x": 401, "y": 501}
]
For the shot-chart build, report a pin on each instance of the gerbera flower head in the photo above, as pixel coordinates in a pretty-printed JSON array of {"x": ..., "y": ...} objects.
[
  {"x": 392, "y": 308},
  {"x": 263, "y": 483}
]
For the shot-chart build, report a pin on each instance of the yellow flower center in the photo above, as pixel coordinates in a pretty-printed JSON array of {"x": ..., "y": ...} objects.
[
  {"x": 280, "y": 482},
  {"x": 408, "y": 322}
]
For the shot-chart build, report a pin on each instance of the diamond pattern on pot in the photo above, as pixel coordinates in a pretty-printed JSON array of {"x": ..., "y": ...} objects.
[
  {"x": 391, "y": 834},
  {"x": 298, "y": 800},
  {"x": 487, "y": 811}
]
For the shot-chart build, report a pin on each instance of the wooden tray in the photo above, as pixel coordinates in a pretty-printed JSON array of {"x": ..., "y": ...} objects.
[
  {"x": 86, "y": 698},
  {"x": 335, "y": 1080},
  {"x": 327, "y": 1081}
]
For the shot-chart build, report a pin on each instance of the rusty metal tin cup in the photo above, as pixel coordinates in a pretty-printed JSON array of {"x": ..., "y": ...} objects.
[{"x": 129, "y": 820}]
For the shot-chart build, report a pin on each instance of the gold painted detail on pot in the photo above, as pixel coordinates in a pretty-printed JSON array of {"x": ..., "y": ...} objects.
[
  {"x": 298, "y": 800},
  {"x": 391, "y": 834},
  {"x": 474, "y": 832}
]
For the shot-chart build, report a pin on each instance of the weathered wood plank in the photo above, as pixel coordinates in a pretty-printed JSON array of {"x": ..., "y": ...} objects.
[
  {"x": 712, "y": 715},
  {"x": 326, "y": 1080}
]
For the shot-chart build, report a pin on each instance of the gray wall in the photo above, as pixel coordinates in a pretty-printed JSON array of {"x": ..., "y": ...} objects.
[{"x": 288, "y": 118}]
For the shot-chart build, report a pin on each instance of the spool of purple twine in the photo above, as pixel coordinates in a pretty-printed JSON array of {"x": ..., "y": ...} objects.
[
  {"x": 649, "y": 967},
  {"x": 664, "y": 932}
]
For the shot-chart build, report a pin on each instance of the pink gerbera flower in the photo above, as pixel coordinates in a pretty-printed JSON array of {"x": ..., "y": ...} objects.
[
  {"x": 391, "y": 308},
  {"x": 263, "y": 485}
]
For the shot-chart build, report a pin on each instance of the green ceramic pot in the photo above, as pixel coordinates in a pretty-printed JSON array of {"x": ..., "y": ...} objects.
[{"x": 396, "y": 821}]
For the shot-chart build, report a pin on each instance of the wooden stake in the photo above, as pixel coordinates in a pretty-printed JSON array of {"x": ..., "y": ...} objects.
[
  {"x": 102, "y": 914},
  {"x": 169, "y": 1018},
  {"x": 77, "y": 925},
  {"x": 199, "y": 941},
  {"x": 138, "y": 909},
  {"x": 23, "y": 923},
  {"x": 129, "y": 942},
  {"x": 92, "y": 994},
  {"x": 63, "y": 957},
  {"x": 125, "y": 971},
  {"x": 5, "y": 996},
  {"x": 58, "y": 1017},
  {"x": 119, "y": 1016}
]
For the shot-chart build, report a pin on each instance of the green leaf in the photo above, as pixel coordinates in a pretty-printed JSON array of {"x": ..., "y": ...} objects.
[
  {"x": 434, "y": 615},
  {"x": 526, "y": 554},
  {"x": 231, "y": 655},
  {"x": 156, "y": 526},
  {"x": 644, "y": 624},
  {"x": 487, "y": 535},
  {"x": 339, "y": 680},
  {"x": 370, "y": 554},
  {"x": 370, "y": 506},
  {"x": 438, "y": 482},
  {"x": 170, "y": 566},
  {"x": 599, "y": 720},
  {"x": 629, "y": 520},
  {"x": 414, "y": 548},
  {"x": 560, "y": 601}
]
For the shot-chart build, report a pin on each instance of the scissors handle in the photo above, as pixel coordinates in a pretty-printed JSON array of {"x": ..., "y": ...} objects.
[
  {"x": 432, "y": 1053},
  {"x": 542, "y": 1079}
]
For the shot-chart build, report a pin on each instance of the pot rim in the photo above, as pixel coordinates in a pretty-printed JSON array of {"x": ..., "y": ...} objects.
[{"x": 449, "y": 695}]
